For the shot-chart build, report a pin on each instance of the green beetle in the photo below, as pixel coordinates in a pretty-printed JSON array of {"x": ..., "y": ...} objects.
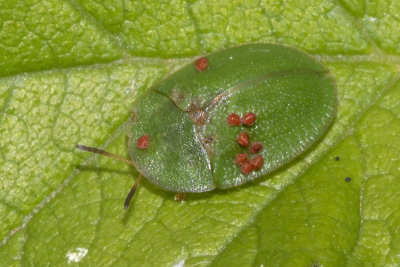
[{"x": 184, "y": 132}]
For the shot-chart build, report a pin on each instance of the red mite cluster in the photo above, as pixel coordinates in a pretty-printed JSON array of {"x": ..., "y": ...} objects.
[{"x": 243, "y": 139}]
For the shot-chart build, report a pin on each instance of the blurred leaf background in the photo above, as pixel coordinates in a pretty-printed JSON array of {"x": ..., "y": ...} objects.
[{"x": 69, "y": 73}]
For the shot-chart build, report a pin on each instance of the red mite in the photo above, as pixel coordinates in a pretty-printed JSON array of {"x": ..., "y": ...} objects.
[
  {"x": 233, "y": 119},
  {"x": 246, "y": 167},
  {"x": 257, "y": 162},
  {"x": 243, "y": 139},
  {"x": 249, "y": 118},
  {"x": 241, "y": 158},
  {"x": 143, "y": 142},
  {"x": 256, "y": 147},
  {"x": 201, "y": 64}
]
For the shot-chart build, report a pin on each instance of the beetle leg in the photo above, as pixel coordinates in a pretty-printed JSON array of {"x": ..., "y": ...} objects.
[
  {"x": 180, "y": 197},
  {"x": 132, "y": 192}
]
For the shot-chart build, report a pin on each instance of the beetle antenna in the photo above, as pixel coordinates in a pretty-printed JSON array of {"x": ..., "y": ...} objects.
[
  {"x": 108, "y": 154},
  {"x": 102, "y": 152},
  {"x": 132, "y": 192}
]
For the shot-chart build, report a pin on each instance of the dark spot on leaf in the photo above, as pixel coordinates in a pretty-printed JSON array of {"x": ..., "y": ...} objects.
[
  {"x": 209, "y": 139},
  {"x": 177, "y": 96},
  {"x": 337, "y": 158},
  {"x": 347, "y": 179},
  {"x": 180, "y": 197},
  {"x": 197, "y": 114}
]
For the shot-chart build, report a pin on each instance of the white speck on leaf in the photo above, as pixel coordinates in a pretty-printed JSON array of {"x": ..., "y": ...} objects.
[
  {"x": 180, "y": 264},
  {"x": 131, "y": 88},
  {"x": 76, "y": 256}
]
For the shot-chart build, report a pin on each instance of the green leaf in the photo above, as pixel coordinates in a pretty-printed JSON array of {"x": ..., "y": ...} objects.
[{"x": 70, "y": 72}]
